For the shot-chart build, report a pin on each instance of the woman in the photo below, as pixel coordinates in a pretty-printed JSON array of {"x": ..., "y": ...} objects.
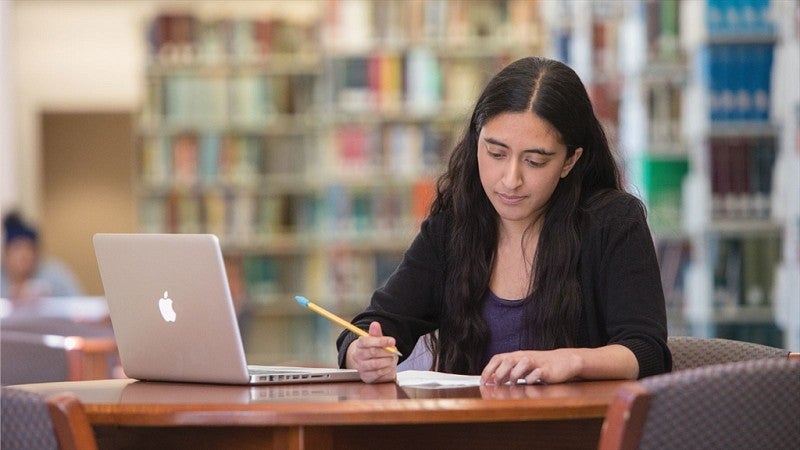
[{"x": 534, "y": 263}]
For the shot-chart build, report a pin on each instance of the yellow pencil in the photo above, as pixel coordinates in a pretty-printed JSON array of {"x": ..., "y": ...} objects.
[{"x": 338, "y": 320}]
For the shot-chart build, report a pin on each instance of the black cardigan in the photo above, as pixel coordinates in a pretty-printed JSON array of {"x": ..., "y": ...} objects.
[{"x": 623, "y": 301}]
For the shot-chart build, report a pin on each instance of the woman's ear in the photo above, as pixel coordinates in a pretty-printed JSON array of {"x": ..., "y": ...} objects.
[{"x": 570, "y": 162}]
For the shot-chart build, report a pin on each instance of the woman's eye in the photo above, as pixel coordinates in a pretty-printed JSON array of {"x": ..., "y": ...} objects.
[
  {"x": 495, "y": 155},
  {"x": 533, "y": 163}
]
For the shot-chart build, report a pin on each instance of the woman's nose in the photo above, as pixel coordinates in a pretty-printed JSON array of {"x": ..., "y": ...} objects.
[{"x": 512, "y": 176}]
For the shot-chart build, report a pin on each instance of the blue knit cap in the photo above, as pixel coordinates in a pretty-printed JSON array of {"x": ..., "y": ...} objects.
[{"x": 14, "y": 227}]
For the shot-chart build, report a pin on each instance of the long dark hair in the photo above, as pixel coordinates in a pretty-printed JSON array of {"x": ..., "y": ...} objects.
[{"x": 552, "y": 91}]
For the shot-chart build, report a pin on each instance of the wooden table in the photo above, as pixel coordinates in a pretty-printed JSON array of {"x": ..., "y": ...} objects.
[{"x": 133, "y": 414}]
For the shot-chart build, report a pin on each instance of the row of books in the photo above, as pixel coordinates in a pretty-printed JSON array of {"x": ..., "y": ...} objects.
[
  {"x": 390, "y": 148},
  {"x": 290, "y": 340},
  {"x": 738, "y": 79},
  {"x": 663, "y": 28},
  {"x": 236, "y": 98},
  {"x": 340, "y": 213},
  {"x": 339, "y": 278},
  {"x": 674, "y": 257},
  {"x": 358, "y": 24},
  {"x": 664, "y": 112},
  {"x": 661, "y": 180},
  {"x": 189, "y": 159},
  {"x": 592, "y": 38},
  {"x": 185, "y": 38},
  {"x": 745, "y": 17},
  {"x": 744, "y": 270},
  {"x": 245, "y": 160},
  {"x": 411, "y": 80},
  {"x": 741, "y": 176}
]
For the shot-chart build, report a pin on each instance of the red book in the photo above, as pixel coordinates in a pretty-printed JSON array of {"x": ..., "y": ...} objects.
[
  {"x": 352, "y": 145},
  {"x": 740, "y": 177},
  {"x": 184, "y": 154}
]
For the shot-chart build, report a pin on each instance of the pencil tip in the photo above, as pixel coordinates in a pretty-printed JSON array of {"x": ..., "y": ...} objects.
[{"x": 302, "y": 300}]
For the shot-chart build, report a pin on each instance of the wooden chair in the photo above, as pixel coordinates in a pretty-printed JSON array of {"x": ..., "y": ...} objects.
[
  {"x": 31, "y": 421},
  {"x": 746, "y": 404},
  {"x": 691, "y": 352}
]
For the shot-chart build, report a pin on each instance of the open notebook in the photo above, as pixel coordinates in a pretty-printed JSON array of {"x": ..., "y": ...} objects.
[{"x": 173, "y": 315}]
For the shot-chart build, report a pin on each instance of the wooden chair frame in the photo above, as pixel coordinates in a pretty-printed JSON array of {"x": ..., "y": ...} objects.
[
  {"x": 70, "y": 423},
  {"x": 625, "y": 418}
]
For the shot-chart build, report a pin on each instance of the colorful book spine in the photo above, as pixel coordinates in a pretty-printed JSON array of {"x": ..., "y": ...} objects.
[
  {"x": 746, "y": 17},
  {"x": 744, "y": 270},
  {"x": 741, "y": 176},
  {"x": 738, "y": 81}
]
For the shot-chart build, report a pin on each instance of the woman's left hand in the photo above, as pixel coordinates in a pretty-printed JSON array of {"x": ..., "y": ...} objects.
[
  {"x": 552, "y": 366},
  {"x": 610, "y": 362}
]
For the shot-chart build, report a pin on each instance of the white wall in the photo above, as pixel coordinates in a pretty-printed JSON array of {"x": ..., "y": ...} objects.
[
  {"x": 79, "y": 55},
  {"x": 70, "y": 55},
  {"x": 8, "y": 160}
]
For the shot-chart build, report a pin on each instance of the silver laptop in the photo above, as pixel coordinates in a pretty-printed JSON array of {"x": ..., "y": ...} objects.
[{"x": 173, "y": 315}]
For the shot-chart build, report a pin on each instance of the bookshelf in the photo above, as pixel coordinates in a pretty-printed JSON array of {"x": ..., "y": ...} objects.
[
  {"x": 629, "y": 56},
  {"x": 227, "y": 130},
  {"x": 654, "y": 71},
  {"x": 400, "y": 81},
  {"x": 785, "y": 205},
  {"x": 310, "y": 147},
  {"x": 736, "y": 242}
]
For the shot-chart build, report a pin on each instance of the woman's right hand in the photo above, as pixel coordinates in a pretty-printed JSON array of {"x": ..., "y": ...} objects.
[{"x": 368, "y": 355}]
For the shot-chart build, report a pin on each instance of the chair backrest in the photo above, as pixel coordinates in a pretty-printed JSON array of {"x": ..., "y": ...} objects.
[
  {"x": 690, "y": 352},
  {"x": 36, "y": 350},
  {"x": 746, "y": 404},
  {"x": 31, "y": 358},
  {"x": 31, "y": 421}
]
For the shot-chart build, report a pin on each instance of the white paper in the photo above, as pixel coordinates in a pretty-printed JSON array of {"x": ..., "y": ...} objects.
[{"x": 426, "y": 378}]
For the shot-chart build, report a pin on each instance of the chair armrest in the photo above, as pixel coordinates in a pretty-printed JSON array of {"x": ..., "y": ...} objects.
[
  {"x": 622, "y": 427},
  {"x": 71, "y": 425}
]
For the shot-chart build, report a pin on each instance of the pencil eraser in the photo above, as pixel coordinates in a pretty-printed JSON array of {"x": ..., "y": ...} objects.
[{"x": 302, "y": 300}]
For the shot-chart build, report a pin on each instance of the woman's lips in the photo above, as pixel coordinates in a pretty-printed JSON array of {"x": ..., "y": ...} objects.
[{"x": 510, "y": 199}]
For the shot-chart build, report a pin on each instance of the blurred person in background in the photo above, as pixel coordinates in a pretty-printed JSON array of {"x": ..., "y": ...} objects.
[{"x": 26, "y": 274}]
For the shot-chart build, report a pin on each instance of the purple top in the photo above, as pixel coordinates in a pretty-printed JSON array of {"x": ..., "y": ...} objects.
[{"x": 504, "y": 318}]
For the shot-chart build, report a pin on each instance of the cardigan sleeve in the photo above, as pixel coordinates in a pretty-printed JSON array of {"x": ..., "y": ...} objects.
[
  {"x": 627, "y": 291},
  {"x": 408, "y": 305}
]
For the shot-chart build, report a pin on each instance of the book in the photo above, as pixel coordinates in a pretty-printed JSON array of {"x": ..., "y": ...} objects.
[
  {"x": 353, "y": 152},
  {"x": 185, "y": 159},
  {"x": 423, "y": 81},
  {"x": 739, "y": 157},
  {"x": 209, "y": 157},
  {"x": 352, "y": 88},
  {"x": 727, "y": 272},
  {"x": 762, "y": 166},
  {"x": 721, "y": 182}
]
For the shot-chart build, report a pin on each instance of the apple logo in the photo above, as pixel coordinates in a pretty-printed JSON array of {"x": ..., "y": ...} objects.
[{"x": 165, "y": 306}]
